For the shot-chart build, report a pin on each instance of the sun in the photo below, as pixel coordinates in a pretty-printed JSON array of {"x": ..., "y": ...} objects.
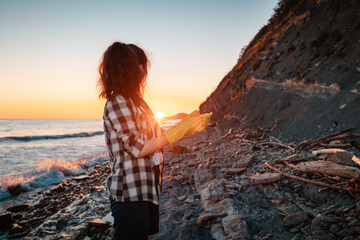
[{"x": 159, "y": 115}]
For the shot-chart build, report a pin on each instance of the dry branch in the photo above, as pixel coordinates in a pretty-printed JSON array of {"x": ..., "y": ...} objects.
[
  {"x": 277, "y": 144},
  {"x": 304, "y": 179},
  {"x": 317, "y": 140},
  {"x": 355, "y": 144}
]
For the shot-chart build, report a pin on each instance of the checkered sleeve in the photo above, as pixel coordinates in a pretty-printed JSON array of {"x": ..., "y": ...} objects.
[{"x": 121, "y": 117}]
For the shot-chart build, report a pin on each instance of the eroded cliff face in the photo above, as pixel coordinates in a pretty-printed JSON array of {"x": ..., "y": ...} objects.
[{"x": 301, "y": 72}]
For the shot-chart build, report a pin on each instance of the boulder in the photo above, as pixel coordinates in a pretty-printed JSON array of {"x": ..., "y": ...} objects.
[{"x": 15, "y": 189}]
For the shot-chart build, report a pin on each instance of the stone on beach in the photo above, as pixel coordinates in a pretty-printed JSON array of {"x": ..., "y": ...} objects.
[
  {"x": 244, "y": 162},
  {"x": 18, "y": 208},
  {"x": 343, "y": 158},
  {"x": 294, "y": 219},
  {"x": 15, "y": 189},
  {"x": 15, "y": 228},
  {"x": 235, "y": 223},
  {"x": 5, "y": 219},
  {"x": 97, "y": 223}
]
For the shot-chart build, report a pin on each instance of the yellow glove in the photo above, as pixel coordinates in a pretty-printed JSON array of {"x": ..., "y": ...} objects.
[{"x": 189, "y": 125}]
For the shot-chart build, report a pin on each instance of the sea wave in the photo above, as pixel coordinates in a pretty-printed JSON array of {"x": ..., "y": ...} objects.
[
  {"x": 50, "y": 172},
  {"x": 50, "y": 137}
]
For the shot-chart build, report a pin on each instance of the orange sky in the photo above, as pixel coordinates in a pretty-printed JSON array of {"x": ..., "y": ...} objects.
[{"x": 50, "y": 51}]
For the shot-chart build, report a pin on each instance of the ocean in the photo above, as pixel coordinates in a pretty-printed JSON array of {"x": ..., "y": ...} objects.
[{"x": 41, "y": 152}]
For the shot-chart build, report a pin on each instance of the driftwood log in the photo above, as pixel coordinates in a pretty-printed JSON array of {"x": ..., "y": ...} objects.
[
  {"x": 327, "y": 167},
  {"x": 339, "y": 145}
]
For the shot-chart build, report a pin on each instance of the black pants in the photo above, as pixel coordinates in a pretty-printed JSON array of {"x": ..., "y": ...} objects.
[{"x": 135, "y": 220}]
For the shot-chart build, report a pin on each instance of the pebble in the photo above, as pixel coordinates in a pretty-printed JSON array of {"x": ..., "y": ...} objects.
[
  {"x": 353, "y": 223},
  {"x": 97, "y": 223},
  {"x": 316, "y": 221},
  {"x": 294, "y": 219},
  {"x": 18, "y": 208},
  {"x": 15, "y": 228},
  {"x": 182, "y": 198},
  {"x": 5, "y": 219}
]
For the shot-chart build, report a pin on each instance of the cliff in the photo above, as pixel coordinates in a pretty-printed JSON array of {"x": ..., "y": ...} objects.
[{"x": 300, "y": 74}]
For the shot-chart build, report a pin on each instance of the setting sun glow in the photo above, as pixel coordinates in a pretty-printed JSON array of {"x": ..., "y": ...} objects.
[{"x": 159, "y": 115}]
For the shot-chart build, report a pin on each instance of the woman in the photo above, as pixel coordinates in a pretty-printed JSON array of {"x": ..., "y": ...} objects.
[{"x": 135, "y": 141}]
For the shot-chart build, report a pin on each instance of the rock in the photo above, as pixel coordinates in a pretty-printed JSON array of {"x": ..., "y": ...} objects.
[
  {"x": 15, "y": 189},
  {"x": 178, "y": 178},
  {"x": 57, "y": 189},
  {"x": 331, "y": 219},
  {"x": 343, "y": 158},
  {"x": 190, "y": 199},
  {"x": 15, "y": 228},
  {"x": 294, "y": 219},
  {"x": 17, "y": 216},
  {"x": 179, "y": 149},
  {"x": 207, "y": 218},
  {"x": 97, "y": 223},
  {"x": 266, "y": 178},
  {"x": 5, "y": 219},
  {"x": 61, "y": 223},
  {"x": 226, "y": 206},
  {"x": 316, "y": 221},
  {"x": 353, "y": 223},
  {"x": 244, "y": 162},
  {"x": 348, "y": 232},
  {"x": 218, "y": 190},
  {"x": 202, "y": 176},
  {"x": 18, "y": 208},
  {"x": 217, "y": 231},
  {"x": 334, "y": 228},
  {"x": 235, "y": 223},
  {"x": 233, "y": 171}
]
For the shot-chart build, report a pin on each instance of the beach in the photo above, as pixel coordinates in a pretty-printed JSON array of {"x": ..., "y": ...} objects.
[{"x": 209, "y": 192}]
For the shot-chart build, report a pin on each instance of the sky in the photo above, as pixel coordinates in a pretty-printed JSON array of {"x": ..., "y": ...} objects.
[{"x": 50, "y": 51}]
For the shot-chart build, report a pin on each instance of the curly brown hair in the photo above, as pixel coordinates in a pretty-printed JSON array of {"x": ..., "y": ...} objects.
[{"x": 123, "y": 70}]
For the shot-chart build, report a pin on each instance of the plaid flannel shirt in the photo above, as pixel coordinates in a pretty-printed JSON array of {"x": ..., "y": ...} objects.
[{"x": 126, "y": 129}]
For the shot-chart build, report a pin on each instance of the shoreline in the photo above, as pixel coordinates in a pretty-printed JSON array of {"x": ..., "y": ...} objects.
[{"x": 208, "y": 182}]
